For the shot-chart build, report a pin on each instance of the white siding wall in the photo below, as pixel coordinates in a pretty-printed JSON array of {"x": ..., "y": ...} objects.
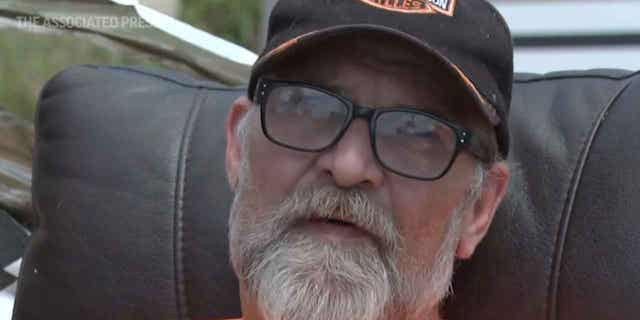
[{"x": 613, "y": 20}]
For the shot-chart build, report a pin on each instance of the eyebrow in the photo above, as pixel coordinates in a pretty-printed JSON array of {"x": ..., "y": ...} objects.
[{"x": 335, "y": 89}]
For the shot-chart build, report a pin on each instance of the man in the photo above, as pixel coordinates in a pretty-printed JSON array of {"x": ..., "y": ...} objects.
[{"x": 368, "y": 156}]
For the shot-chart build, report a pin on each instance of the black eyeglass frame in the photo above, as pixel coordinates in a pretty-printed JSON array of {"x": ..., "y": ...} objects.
[{"x": 354, "y": 111}]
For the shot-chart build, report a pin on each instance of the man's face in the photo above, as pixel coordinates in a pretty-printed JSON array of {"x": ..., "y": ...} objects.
[{"x": 318, "y": 235}]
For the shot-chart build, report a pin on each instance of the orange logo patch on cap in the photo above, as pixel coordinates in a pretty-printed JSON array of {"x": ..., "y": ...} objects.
[{"x": 445, "y": 7}]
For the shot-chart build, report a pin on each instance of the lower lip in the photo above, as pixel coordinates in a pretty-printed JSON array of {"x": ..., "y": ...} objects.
[{"x": 334, "y": 231}]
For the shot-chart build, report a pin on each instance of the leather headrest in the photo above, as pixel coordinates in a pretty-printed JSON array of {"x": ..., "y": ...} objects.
[
  {"x": 564, "y": 244},
  {"x": 130, "y": 186}
]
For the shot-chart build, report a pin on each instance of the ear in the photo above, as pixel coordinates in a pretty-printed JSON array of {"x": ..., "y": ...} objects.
[
  {"x": 234, "y": 152},
  {"x": 477, "y": 222}
]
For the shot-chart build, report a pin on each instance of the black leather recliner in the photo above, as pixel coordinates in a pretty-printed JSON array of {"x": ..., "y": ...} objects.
[{"x": 130, "y": 188}]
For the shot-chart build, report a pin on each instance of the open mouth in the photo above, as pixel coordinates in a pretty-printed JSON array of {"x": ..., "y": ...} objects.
[
  {"x": 335, "y": 229},
  {"x": 332, "y": 221},
  {"x": 339, "y": 222}
]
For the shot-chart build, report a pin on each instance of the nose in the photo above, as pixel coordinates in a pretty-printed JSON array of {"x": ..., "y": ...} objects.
[{"x": 351, "y": 162}]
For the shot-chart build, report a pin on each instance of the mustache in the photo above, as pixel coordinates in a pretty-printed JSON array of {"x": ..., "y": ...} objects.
[{"x": 352, "y": 206}]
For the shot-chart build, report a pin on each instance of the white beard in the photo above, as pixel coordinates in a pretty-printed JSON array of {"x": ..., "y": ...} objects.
[
  {"x": 304, "y": 278},
  {"x": 295, "y": 276}
]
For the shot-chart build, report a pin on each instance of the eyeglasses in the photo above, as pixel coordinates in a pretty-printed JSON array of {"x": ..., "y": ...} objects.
[{"x": 406, "y": 141}]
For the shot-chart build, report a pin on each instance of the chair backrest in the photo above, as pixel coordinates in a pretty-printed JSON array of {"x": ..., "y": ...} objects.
[
  {"x": 564, "y": 245},
  {"x": 130, "y": 187}
]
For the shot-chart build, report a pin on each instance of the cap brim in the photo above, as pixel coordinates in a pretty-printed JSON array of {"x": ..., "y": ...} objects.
[{"x": 286, "y": 49}]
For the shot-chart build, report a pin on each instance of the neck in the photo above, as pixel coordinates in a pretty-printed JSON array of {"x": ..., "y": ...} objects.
[
  {"x": 250, "y": 310},
  {"x": 256, "y": 316},
  {"x": 433, "y": 315},
  {"x": 425, "y": 313},
  {"x": 249, "y": 306}
]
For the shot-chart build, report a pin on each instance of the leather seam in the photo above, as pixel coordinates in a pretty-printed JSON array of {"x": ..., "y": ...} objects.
[
  {"x": 565, "y": 219},
  {"x": 169, "y": 79},
  {"x": 538, "y": 78},
  {"x": 183, "y": 160}
]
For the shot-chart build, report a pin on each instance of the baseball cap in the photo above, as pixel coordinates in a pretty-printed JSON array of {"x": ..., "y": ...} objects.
[{"x": 470, "y": 37}]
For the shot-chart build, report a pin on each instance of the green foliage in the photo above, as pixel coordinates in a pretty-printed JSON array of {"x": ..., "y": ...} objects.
[
  {"x": 28, "y": 60},
  {"x": 235, "y": 20}
]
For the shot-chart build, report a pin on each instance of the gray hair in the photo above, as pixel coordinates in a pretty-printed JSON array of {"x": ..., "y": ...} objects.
[{"x": 244, "y": 125}]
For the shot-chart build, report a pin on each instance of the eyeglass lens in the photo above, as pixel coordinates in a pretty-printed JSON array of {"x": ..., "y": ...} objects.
[{"x": 410, "y": 143}]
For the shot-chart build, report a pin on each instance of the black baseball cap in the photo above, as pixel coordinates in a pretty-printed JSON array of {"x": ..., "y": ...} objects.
[{"x": 469, "y": 36}]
